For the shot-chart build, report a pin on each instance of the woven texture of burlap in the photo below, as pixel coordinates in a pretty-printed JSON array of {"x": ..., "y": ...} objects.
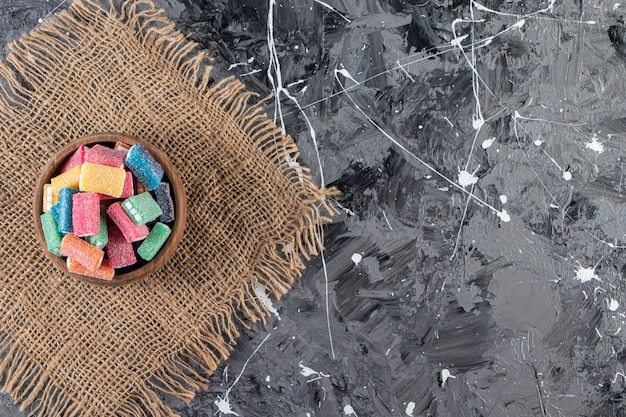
[{"x": 73, "y": 349}]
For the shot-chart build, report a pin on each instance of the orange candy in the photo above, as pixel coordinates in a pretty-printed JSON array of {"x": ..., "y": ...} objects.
[
  {"x": 104, "y": 271},
  {"x": 82, "y": 252}
]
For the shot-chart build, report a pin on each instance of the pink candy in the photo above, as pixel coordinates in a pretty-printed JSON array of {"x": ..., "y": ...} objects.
[
  {"x": 77, "y": 158},
  {"x": 129, "y": 229},
  {"x": 102, "y": 155},
  {"x": 86, "y": 214}
]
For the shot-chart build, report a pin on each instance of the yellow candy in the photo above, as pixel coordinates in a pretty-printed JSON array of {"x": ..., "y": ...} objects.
[
  {"x": 68, "y": 179},
  {"x": 102, "y": 179}
]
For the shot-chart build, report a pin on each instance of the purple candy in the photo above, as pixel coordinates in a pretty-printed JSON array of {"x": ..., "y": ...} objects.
[
  {"x": 164, "y": 199},
  {"x": 144, "y": 166}
]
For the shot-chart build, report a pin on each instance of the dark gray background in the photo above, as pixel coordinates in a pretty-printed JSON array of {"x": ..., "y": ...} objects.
[{"x": 526, "y": 316}]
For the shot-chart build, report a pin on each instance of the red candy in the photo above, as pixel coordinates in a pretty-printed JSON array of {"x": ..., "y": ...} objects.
[{"x": 119, "y": 251}]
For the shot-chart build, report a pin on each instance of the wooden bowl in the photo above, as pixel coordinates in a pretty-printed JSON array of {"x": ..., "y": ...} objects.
[{"x": 142, "y": 269}]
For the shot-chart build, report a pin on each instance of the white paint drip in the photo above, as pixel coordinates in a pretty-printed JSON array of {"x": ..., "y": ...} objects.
[
  {"x": 595, "y": 145},
  {"x": 277, "y": 86},
  {"x": 356, "y": 258},
  {"x": 346, "y": 74},
  {"x": 613, "y": 304},
  {"x": 445, "y": 374},
  {"x": 307, "y": 372},
  {"x": 410, "y": 407},
  {"x": 223, "y": 404},
  {"x": 328, "y": 6},
  {"x": 261, "y": 294},
  {"x": 488, "y": 142},
  {"x": 503, "y": 199}
]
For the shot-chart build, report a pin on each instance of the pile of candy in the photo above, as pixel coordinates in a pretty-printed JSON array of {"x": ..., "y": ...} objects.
[{"x": 107, "y": 199}]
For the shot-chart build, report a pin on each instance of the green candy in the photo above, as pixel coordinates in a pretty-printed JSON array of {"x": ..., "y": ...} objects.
[
  {"x": 142, "y": 208},
  {"x": 102, "y": 238},
  {"x": 155, "y": 240},
  {"x": 51, "y": 232}
]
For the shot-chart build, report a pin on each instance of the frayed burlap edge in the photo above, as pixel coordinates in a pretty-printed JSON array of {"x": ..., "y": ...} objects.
[{"x": 277, "y": 267}]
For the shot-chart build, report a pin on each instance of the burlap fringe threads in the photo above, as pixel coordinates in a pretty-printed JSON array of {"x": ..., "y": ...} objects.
[{"x": 29, "y": 383}]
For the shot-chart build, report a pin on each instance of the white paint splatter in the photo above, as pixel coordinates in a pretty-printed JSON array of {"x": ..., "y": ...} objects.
[
  {"x": 504, "y": 216},
  {"x": 466, "y": 178},
  {"x": 586, "y": 274},
  {"x": 488, "y": 142},
  {"x": 595, "y": 145},
  {"x": 356, "y": 258},
  {"x": 306, "y": 371},
  {"x": 445, "y": 374},
  {"x": 567, "y": 175},
  {"x": 261, "y": 293},
  {"x": 613, "y": 304},
  {"x": 410, "y": 407},
  {"x": 538, "y": 142},
  {"x": 348, "y": 410},
  {"x": 503, "y": 199},
  {"x": 223, "y": 406},
  {"x": 268, "y": 378}
]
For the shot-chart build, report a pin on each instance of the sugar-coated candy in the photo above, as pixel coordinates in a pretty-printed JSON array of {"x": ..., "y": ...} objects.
[
  {"x": 48, "y": 201},
  {"x": 164, "y": 199},
  {"x": 77, "y": 158},
  {"x": 129, "y": 188},
  {"x": 66, "y": 225},
  {"x": 69, "y": 179},
  {"x": 85, "y": 254},
  {"x": 102, "y": 179},
  {"x": 104, "y": 271},
  {"x": 127, "y": 191},
  {"x": 86, "y": 214},
  {"x": 51, "y": 232},
  {"x": 155, "y": 240},
  {"x": 101, "y": 239},
  {"x": 121, "y": 146},
  {"x": 144, "y": 166},
  {"x": 119, "y": 251},
  {"x": 103, "y": 155},
  {"x": 142, "y": 208},
  {"x": 56, "y": 212},
  {"x": 130, "y": 230}
]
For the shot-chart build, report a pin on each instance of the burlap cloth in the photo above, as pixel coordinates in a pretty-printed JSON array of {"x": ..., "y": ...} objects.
[{"x": 74, "y": 349}]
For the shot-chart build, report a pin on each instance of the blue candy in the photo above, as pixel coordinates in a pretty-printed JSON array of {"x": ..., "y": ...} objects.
[
  {"x": 56, "y": 212},
  {"x": 65, "y": 210},
  {"x": 144, "y": 166},
  {"x": 164, "y": 199}
]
